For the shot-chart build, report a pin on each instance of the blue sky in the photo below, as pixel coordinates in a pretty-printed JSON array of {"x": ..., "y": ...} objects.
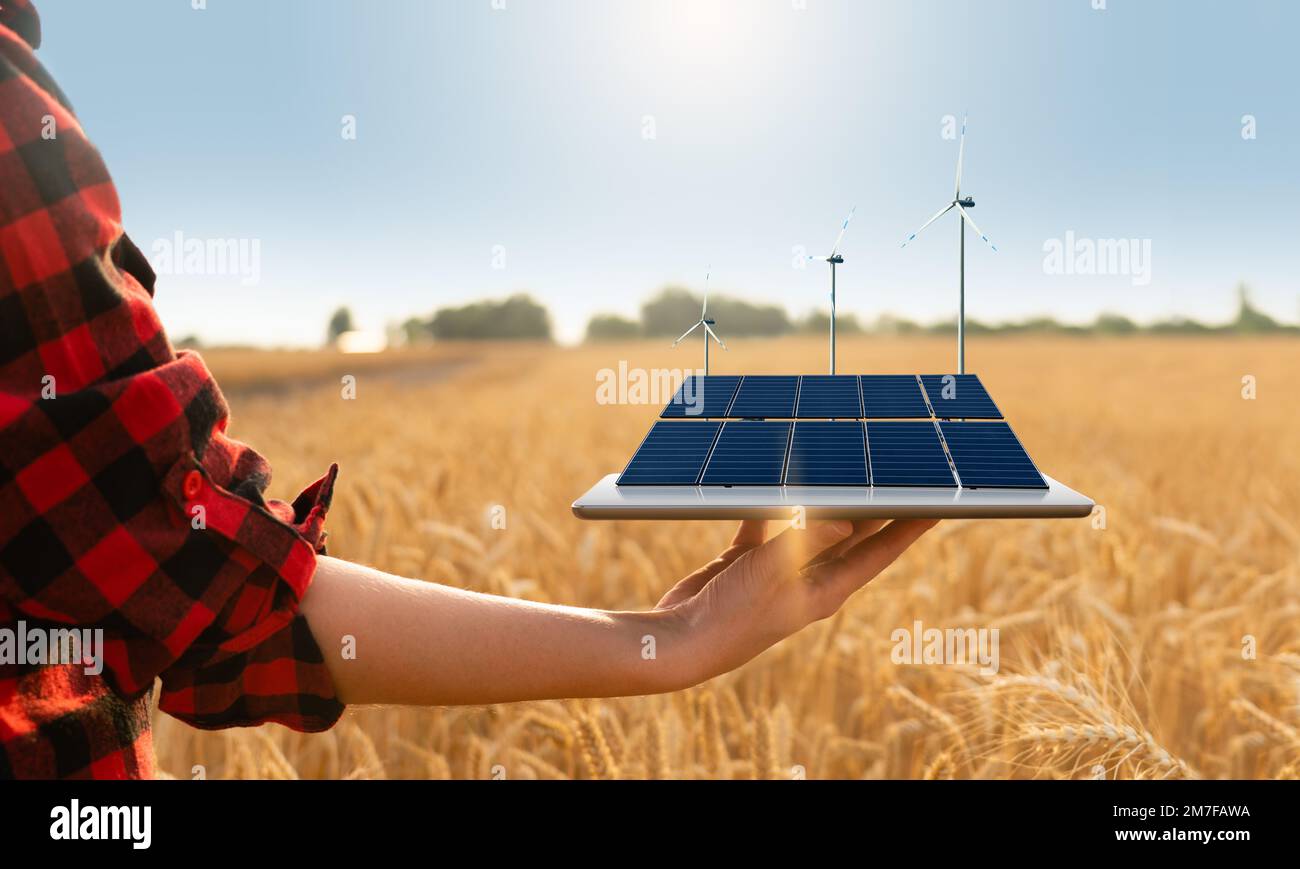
[{"x": 484, "y": 131}]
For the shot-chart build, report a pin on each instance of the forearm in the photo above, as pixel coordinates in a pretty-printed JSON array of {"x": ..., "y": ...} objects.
[{"x": 420, "y": 643}]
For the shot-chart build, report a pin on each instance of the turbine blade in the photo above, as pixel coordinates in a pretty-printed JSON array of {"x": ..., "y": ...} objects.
[
  {"x": 940, "y": 213},
  {"x": 843, "y": 229},
  {"x": 689, "y": 331},
  {"x": 715, "y": 336},
  {"x": 704, "y": 312},
  {"x": 961, "y": 149},
  {"x": 965, "y": 214}
]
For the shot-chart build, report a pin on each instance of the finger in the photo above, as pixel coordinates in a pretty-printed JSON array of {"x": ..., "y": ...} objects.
[
  {"x": 751, "y": 533},
  {"x": 687, "y": 588},
  {"x": 861, "y": 531},
  {"x": 863, "y": 562},
  {"x": 795, "y": 547}
]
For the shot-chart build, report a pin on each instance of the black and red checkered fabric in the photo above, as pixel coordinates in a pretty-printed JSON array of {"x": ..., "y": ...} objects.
[{"x": 123, "y": 504}]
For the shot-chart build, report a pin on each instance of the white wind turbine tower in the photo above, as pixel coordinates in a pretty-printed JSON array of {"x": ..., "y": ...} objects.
[
  {"x": 961, "y": 205},
  {"x": 706, "y": 323},
  {"x": 835, "y": 259}
]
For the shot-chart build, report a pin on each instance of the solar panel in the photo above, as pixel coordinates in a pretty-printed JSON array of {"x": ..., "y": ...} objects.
[
  {"x": 765, "y": 396},
  {"x": 900, "y": 443},
  {"x": 907, "y": 454},
  {"x": 959, "y": 396},
  {"x": 702, "y": 397},
  {"x": 989, "y": 454},
  {"x": 672, "y": 454},
  {"x": 893, "y": 395},
  {"x": 827, "y": 454},
  {"x": 748, "y": 454},
  {"x": 829, "y": 396}
]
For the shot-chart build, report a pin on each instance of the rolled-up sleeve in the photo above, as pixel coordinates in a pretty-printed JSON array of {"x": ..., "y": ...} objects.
[{"x": 123, "y": 503}]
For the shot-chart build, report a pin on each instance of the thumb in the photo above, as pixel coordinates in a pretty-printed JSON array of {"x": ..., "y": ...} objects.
[{"x": 795, "y": 547}]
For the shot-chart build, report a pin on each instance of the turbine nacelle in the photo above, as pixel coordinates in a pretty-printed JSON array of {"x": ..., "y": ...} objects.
[{"x": 968, "y": 202}]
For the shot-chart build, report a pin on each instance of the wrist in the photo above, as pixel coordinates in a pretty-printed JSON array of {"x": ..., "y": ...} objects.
[{"x": 670, "y": 656}]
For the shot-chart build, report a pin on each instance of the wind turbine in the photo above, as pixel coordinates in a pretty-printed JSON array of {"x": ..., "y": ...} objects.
[
  {"x": 835, "y": 259},
  {"x": 961, "y": 205},
  {"x": 706, "y": 323}
]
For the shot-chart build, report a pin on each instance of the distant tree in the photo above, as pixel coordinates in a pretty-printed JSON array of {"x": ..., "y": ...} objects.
[
  {"x": 515, "y": 318},
  {"x": 1036, "y": 324},
  {"x": 973, "y": 327},
  {"x": 612, "y": 327},
  {"x": 1179, "y": 326},
  {"x": 416, "y": 331},
  {"x": 889, "y": 324},
  {"x": 819, "y": 322},
  {"x": 340, "y": 322},
  {"x": 676, "y": 308},
  {"x": 1114, "y": 324},
  {"x": 189, "y": 342},
  {"x": 1250, "y": 319}
]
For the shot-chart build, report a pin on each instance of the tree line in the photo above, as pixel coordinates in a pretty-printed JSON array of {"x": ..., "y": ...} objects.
[{"x": 674, "y": 309}]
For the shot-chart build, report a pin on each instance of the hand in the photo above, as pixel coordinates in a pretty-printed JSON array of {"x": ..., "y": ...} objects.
[{"x": 755, "y": 594}]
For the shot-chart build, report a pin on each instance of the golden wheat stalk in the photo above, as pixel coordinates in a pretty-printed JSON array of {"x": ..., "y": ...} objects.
[
  {"x": 942, "y": 767},
  {"x": 1279, "y": 730},
  {"x": 595, "y": 750},
  {"x": 656, "y": 766},
  {"x": 764, "y": 754},
  {"x": 1138, "y": 748},
  {"x": 932, "y": 715}
]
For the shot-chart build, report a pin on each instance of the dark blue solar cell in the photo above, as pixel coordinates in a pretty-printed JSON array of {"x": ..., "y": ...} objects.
[
  {"x": 748, "y": 454},
  {"x": 895, "y": 396},
  {"x": 672, "y": 454},
  {"x": 765, "y": 396},
  {"x": 829, "y": 396},
  {"x": 907, "y": 454},
  {"x": 827, "y": 454},
  {"x": 702, "y": 397},
  {"x": 989, "y": 454},
  {"x": 959, "y": 396}
]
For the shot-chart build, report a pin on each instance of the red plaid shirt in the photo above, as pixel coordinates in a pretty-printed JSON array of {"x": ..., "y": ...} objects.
[{"x": 123, "y": 505}]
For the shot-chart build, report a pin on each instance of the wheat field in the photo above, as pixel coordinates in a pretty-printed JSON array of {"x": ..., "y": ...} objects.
[{"x": 1160, "y": 639}]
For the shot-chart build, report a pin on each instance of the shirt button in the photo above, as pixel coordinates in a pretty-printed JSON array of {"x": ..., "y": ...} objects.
[{"x": 193, "y": 484}]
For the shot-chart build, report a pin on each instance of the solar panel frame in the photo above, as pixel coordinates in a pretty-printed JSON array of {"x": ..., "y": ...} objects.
[
  {"x": 893, "y": 396},
  {"x": 988, "y": 455},
  {"x": 805, "y": 469},
  {"x": 765, "y": 396},
  {"x": 829, "y": 396},
  {"x": 907, "y": 453},
  {"x": 714, "y": 394},
  {"x": 970, "y": 401},
  {"x": 671, "y": 441},
  {"x": 748, "y": 453}
]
